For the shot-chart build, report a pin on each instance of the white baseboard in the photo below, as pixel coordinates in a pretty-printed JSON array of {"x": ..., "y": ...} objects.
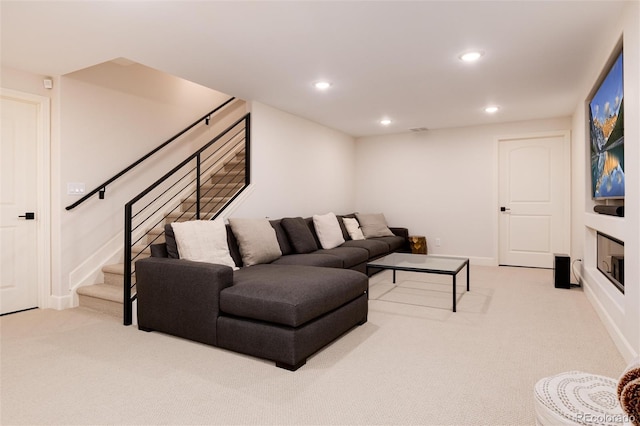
[
  {"x": 61, "y": 302},
  {"x": 627, "y": 351},
  {"x": 483, "y": 261}
]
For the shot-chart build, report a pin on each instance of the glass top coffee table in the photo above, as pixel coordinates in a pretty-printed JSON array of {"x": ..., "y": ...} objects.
[{"x": 430, "y": 264}]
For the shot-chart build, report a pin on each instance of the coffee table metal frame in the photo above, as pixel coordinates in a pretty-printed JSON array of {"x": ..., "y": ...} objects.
[{"x": 423, "y": 263}]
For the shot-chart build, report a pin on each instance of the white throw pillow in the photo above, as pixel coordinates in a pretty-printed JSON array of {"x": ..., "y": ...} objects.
[
  {"x": 374, "y": 225},
  {"x": 353, "y": 228},
  {"x": 328, "y": 230},
  {"x": 203, "y": 241},
  {"x": 257, "y": 240}
]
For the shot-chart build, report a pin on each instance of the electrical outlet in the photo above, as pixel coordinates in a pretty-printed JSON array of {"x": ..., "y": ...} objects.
[{"x": 438, "y": 242}]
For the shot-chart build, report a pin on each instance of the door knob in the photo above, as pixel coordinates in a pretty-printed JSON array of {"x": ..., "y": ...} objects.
[
  {"x": 504, "y": 209},
  {"x": 29, "y": 216}
]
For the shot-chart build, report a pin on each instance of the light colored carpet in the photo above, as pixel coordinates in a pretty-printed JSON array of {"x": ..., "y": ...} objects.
[{"x": 416, "y": 363}]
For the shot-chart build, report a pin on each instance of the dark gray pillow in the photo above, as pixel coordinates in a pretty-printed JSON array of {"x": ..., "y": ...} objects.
[
  {"x": 170, "y": 239},
  {"x": 299, "y": 234},
  {"x": 281, "y": 235}
]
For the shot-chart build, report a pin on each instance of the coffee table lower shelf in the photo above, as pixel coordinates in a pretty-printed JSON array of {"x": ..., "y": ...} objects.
[{"x": 431, "y": 264}]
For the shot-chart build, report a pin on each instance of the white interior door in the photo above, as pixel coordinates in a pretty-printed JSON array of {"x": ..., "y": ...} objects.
[
  {"x": 534, "y": 199},
  {"x": 19, "y": 195}
]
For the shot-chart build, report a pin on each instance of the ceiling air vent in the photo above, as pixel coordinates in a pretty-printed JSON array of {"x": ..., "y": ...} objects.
[{"x": 419, "y": 129}]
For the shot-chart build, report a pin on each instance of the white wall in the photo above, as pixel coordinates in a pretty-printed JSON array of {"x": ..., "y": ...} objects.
[
  {"x": 619, "y": 312},
  {"x": 103, "y": 119},
  {"x": 441, "y": 184},
  {"x": 298, "y": 167},
  {"x": 111, "y": 115}
]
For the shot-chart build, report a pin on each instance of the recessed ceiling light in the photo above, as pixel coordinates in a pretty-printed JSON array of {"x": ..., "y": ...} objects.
[
  {"x": 385, "y": 121},
  {"x": 491, "y": 109},
  {"x": 322, "y": 85},
  {"x": 471, "y": 56}
]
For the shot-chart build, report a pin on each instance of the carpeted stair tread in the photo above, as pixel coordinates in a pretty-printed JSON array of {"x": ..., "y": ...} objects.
[
  {"x": 114, "y": 274},
  {"x": 228, "y": 178},
  {"x": 205, "y": 199},
  {"x": 234, "y": 162},
  {"x": 102, "y": 291},
  {"x": 221, "y": 186},
  {"x": 206, "y": 204},
  {"x": 104, "y": 298},
  {"x": 142, "y": 250},
  {"x": 155, "y": 236},
  {"x": 115, "y": 268},
  {"x": 180, "y": 217}
]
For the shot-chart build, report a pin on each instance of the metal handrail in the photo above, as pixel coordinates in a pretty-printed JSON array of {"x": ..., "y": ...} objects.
[{"x": 100, "y": 189}]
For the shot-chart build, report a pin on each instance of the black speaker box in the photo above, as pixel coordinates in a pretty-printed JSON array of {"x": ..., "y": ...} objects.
[{"x": 562, "y": 271}]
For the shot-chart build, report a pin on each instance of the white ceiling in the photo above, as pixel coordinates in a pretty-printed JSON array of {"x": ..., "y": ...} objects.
[{"x": 384, "y": 58}]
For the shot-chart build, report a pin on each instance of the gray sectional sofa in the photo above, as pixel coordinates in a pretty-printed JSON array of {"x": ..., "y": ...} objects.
[{"x": 284, "y": 310}]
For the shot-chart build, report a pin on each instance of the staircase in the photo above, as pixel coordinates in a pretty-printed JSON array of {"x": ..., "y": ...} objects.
[{"x": 225, "y": 183}]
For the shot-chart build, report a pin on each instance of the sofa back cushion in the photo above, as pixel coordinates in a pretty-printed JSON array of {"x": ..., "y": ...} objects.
[
  {"x": 281, "y": 235},
  {"x": 257, "y": 240},
  {"x": 309, "y": 222},
  {"x": 299, "y": 235},
  {"x": 170, "y": 241},
  {"x": 234, "y": 250}
]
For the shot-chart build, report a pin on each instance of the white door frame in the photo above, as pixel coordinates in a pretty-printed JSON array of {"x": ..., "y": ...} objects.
[
  {"x": 566, "y": 182},
  {"x": 43, "y": 179}
]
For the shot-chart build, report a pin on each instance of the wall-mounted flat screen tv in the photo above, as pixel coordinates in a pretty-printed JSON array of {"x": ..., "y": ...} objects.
[{"x": 606, "y": 131}]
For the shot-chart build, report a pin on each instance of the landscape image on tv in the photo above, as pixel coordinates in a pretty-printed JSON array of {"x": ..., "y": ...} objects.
[{"x": 606, "y": 123}]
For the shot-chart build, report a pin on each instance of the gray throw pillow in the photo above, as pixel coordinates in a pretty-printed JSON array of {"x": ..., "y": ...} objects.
[
  {"x": 374, "y": 225},
  {"x": 300, "y": 236},
  {"x": 257, "y": 240}
]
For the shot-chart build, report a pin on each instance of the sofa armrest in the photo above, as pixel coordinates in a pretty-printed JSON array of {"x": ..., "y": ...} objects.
[
  {"x": 400, "y": 232},
  {"x": 404, "y": 233},
  {"x": 180, "y": 297}
]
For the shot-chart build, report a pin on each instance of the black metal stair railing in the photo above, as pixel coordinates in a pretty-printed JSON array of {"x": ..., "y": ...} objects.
[{"x": 200, "y": 187}]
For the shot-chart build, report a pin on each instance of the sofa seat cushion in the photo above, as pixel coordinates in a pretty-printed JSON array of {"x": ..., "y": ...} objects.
[
  {"x": 350, "y": 256},
  {"x": 290, "y": 295},
  {"x": 395, "y": 242},
  {"x": 310, "y": 259},
  {"x": 375, "y": 247}
]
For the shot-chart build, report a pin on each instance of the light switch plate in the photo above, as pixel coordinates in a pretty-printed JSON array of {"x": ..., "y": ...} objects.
[{"x": 75, "y": 188}]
